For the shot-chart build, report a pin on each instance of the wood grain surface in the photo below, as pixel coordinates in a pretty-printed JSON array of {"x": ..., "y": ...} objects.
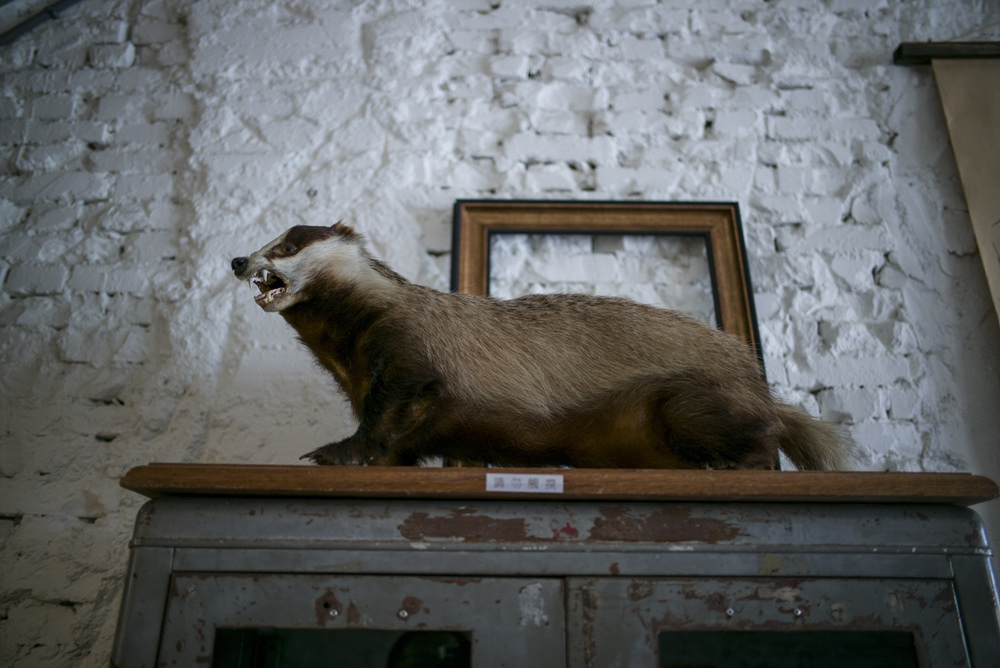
[{"x": 160, "y": 479}]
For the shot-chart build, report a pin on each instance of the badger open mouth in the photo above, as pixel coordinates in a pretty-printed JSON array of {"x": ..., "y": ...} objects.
[{"x": 270, "y": 284}]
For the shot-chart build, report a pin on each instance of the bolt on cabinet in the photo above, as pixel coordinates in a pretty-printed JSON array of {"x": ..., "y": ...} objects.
[{"x": 261, "y": 577}]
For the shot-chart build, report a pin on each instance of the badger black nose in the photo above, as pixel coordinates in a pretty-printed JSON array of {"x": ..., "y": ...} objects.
[{"x": 240, "y": 265}]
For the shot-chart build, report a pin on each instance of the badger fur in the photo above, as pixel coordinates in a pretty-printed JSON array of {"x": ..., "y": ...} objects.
[{"x": 541, "y": 380}]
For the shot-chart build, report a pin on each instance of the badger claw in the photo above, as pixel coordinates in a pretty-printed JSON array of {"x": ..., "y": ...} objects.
[{"x": 326, "y": 456}]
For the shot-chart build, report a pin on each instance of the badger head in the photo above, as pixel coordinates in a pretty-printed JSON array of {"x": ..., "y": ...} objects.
[{"x": 284, "y": 269}]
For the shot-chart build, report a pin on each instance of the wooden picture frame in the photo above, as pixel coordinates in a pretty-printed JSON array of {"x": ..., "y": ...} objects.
[{"x": 476, "y": 221}]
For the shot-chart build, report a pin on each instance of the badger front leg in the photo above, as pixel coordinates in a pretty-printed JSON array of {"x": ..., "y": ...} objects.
[{"x": 392, "y": 418}]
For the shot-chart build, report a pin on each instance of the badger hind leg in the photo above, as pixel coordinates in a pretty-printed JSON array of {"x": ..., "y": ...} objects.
[{"x": 718, "y": 424}]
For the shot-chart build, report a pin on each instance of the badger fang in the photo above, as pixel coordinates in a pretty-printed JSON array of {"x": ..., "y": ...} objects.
[{"x": 271, "y": 286}]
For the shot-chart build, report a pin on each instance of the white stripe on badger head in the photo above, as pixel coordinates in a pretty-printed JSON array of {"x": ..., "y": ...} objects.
[{"x": 339, "y": 260}]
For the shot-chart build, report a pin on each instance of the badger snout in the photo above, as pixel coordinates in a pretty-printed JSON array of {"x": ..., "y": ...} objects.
[{"x": 239, "y": 265}]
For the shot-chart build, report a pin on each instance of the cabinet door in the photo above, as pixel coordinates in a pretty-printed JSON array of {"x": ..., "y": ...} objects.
[
  {"x": 631, "y": 622},
  {"x": 288, "y": 620}
]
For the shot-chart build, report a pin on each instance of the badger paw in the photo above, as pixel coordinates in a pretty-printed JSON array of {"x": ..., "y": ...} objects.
[{"x": 332, "y": 454}]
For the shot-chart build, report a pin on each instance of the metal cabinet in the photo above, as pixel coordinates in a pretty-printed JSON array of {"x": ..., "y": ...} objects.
[
  {"x": 764, "y": 622},
  {"x": 524, "y": 609},
  {"x": 215, "y": 580}
]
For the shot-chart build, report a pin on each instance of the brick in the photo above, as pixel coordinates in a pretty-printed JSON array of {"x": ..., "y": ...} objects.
[
  {"x": 88, "y": 278},
  {"x": 524, "y": 42},
  {"x": 149, "y": 248},
  {"x": 174, "y": 105},
  {"x": 73, "y": 185},
  {"x": 555, "y": 96},
  {"x": 895, "y": 445},
  {"x": 52, "y": 107},
  {"x": 134, "y": 161},
  {"x": 643, "y": 17},
  {"x": 43, "y": 311},
  {"x": 476, "y": 175},
  {"x": 567, "y": 68},
  {"x": 170, "y": 54},
  {"x": 629, "y": 180},
  {"x": 11, "y": 107},
  {"x": 529, "y": 146},
  {"x": 12, "y": 132},
  {"x": 514, "y": 67},
  {"x": 471, "y": 87},
  {"x": 857, "y": 269},
  {"x": 560, "y": 123},
  {"x": 647, "y": 100},
  {"x": 102, "y": 278},
  {"x": 54, "y": 157},
  {"x": 55, "y": 218},
  {"x": 778, "y": 209},
  {"x": 850, "y": 239},
  {"x": 17, "y": 55},
  {"x": 502, "y": 17},
  {"x": 473, "y": 41},
  {"x": 798, "y": 127},
  {"x": 111, "y": 56},
  {"x": 792, "y": 180},
  {"x": 115, "y": 107},
  {"x": 10, "y": 215},
  {"x": 44, "y": 132},
  {"x": 90, "y": 132},
  {"x": 135, "y": 346},
  {"x": 112, "y": 30},
  {"x": 95, "y": 82},
  {"x": 143, "y": 187},
  {"x": 810, "y": 127},
  {"x": 557, "y": 177},
  {"x": 840, "y": 370},
  {"x": 804, "y": 99},
  {"x": 470, "y": 5},
  {"x": 21, "y": 247},
  {"x": 904, "y": 402},
  {"x": 736, "y": 123},
  {"x": 149, "y": 134},
  {"x": 85, "y": 346},
  {"x": 643, "y": 122},
  {"x": 741, "y": 75},
  {"x": 856, "y": 5},
  {"x": 635, "y": 48},
  {"x": 139, "y": 80},
  {"x": 60, "y": 51},
  {"x": 122, "y": 217},
  {"x": 152, "y": 31},
  {"x": 35, "y": 279}
]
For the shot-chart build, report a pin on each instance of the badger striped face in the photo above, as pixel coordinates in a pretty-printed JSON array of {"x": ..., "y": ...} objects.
[{"x": 283, "y": 269}]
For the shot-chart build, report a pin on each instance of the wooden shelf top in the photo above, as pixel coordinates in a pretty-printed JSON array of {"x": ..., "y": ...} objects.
[{"x": 158, "y": 479}]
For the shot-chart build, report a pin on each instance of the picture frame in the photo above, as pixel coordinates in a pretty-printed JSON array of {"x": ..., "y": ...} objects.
[{"x": 475, "y": 222}]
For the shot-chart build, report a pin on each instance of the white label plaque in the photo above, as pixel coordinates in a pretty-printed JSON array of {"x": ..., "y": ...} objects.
[{"x": 531, "y": 483}]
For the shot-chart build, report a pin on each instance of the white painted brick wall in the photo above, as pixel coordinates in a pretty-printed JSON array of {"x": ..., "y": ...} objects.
[{"x": 143, "y": 143}]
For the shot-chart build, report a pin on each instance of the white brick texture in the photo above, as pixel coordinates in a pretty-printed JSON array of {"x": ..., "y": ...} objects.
[{"x": 143, "y": 143}]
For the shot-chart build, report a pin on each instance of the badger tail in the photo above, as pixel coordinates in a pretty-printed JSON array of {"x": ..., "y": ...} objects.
[{"x": 811, "y": 444}]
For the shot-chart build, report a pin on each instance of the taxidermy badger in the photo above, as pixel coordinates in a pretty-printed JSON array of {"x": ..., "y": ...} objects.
[{"x": 541, "y": 380}]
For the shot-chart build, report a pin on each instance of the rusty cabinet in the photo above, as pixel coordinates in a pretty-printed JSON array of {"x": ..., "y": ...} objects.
[{"x": 280, "y": 581}]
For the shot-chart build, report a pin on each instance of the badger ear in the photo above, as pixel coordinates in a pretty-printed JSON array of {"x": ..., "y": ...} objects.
[{"x": 344, "y": 231}]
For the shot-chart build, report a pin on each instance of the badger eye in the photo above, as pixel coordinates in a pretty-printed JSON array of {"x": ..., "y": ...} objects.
[{"x": 288, "y": 248}]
